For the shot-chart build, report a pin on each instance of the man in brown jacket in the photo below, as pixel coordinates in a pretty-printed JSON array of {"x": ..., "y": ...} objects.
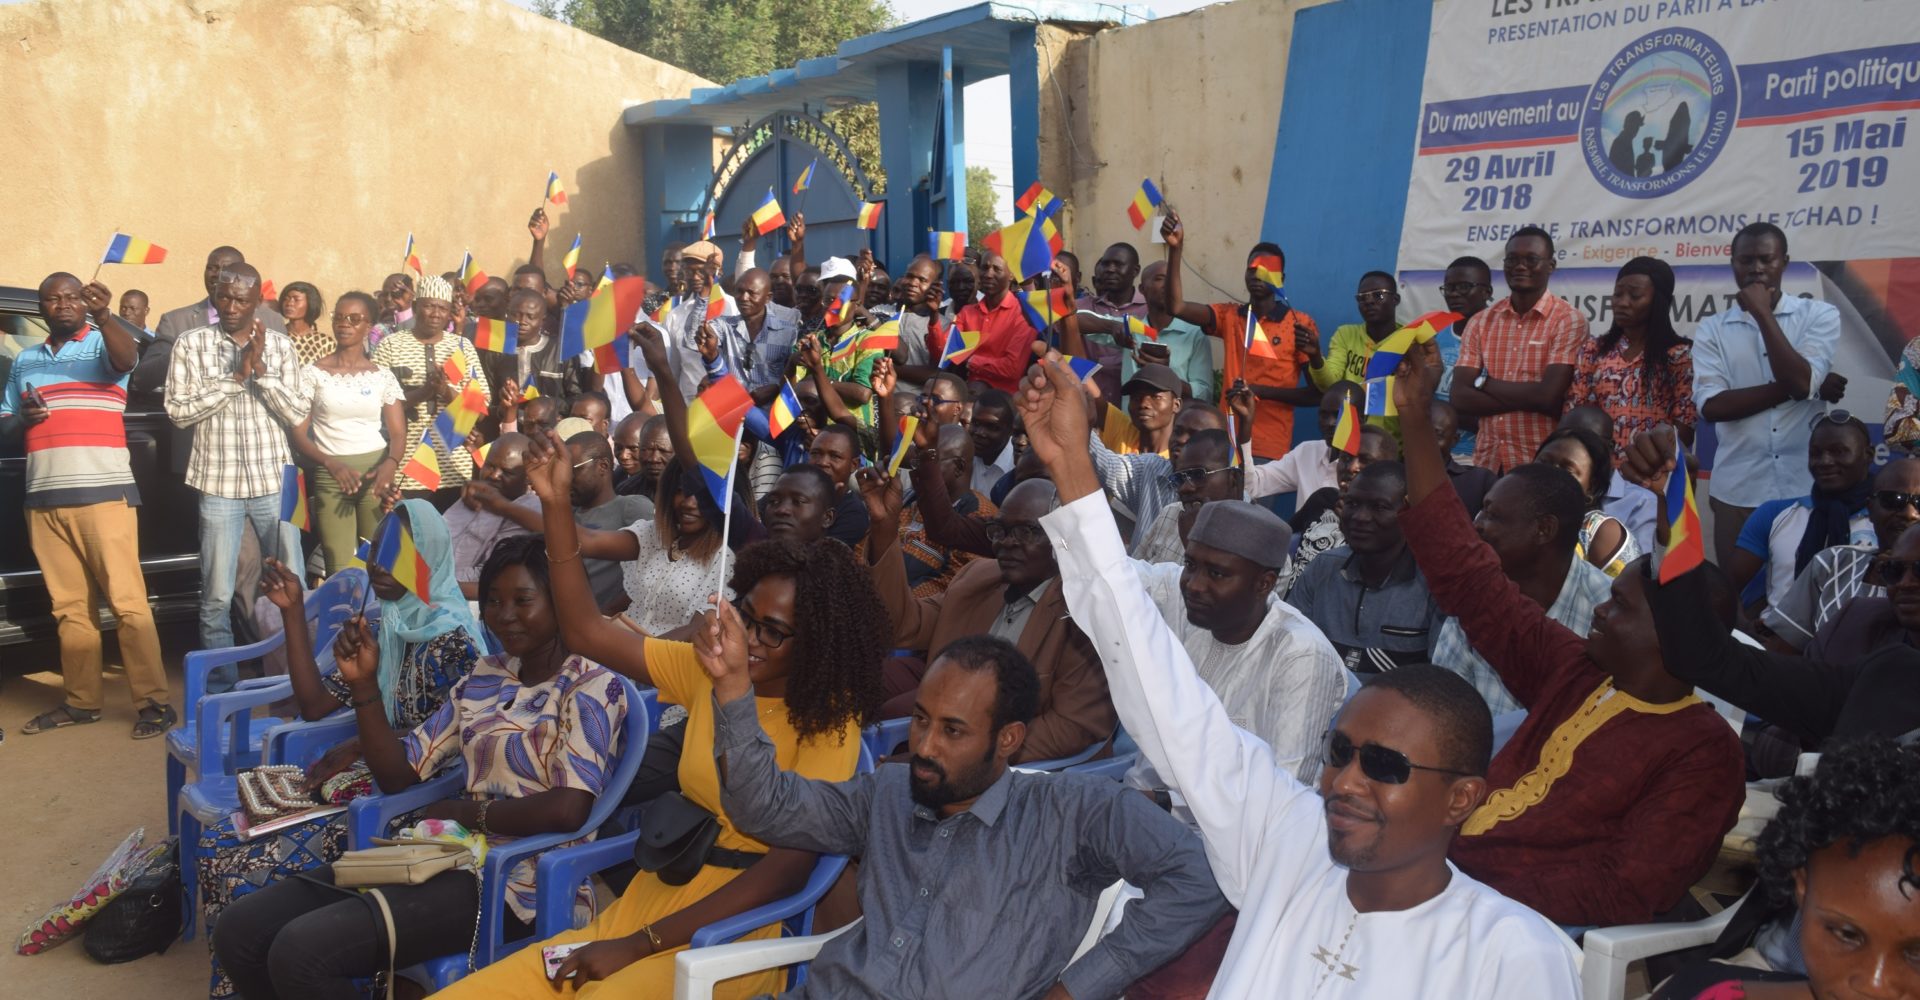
[{"x": 1015, "y": 596}]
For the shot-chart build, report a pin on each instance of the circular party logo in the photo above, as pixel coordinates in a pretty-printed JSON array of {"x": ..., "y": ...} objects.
[{"x": 1660, "y": 113}]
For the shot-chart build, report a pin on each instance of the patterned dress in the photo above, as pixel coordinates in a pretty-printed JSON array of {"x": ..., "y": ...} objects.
[
  {"x": 1619, "y": 386},
  {"x": 231, "y": 867},
  {"x": 456, "y": 465}
]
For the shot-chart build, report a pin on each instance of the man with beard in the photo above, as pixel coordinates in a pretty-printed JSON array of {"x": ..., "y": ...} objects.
[
  {"x": 1348, "y": 886},
  {"x": 999, "y": 908}
]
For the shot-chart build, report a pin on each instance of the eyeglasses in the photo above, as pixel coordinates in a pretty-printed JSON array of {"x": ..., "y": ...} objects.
[
  {"x": 1894, "y": 499},
  {"x": 1525, "y": 260},
  {"x": 1019, "y": 534},
  {"x": 1382, "y": 764},
  {"x": 1892, "y": 572},
  {"x": 1841, "y": 417},
  {"x": 1193, "y": 475},
  {"x": 770, "y": 635},
  {"x": 1376, "y": 295},
  {"x": 1463, "y": 287}
]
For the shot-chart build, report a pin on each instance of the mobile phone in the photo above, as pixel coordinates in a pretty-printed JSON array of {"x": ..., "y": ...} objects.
[
  {"x": 1158, "y": 352},
  {"x": 554, "y": 954},
  {"x": 34, "y": 397}
]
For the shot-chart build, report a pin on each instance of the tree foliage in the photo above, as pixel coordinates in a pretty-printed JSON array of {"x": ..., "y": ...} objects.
[{"x": 982, "y": 214}]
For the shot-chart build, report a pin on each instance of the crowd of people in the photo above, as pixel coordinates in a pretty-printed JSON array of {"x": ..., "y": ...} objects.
[{"x": 1411, "y": 704}]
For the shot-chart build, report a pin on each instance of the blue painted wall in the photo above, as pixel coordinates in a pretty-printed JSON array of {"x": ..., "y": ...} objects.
[{"x": 1344, "y": 151}]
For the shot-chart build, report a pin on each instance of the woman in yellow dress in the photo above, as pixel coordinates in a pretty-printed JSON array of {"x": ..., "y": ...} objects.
[{"x": 816, "y": 635}]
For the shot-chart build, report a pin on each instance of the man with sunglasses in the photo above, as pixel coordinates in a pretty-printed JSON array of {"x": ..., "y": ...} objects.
[
  {"x": 1783, "y": 534},
  {"x": 1204, "y": 472},
  {"x": 1352, "y": 344},
  {"x": 1838, "y": 574},
  {"x": 1138, "y": 484},
  {"x": 596, "y": 505},
  {"x": 1516, "y": 359},
  {"x": 1345, "y": 892},
  {"x": 1015, "y": 596},
  {"x": 1612, "y": 796}
]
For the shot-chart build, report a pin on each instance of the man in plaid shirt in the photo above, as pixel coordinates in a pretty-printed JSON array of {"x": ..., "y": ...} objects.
[{"x": 237, "y": 384}]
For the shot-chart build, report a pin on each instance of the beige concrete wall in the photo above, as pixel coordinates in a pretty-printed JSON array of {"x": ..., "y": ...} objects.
[
  {"x": 1192, "y": 101},
  {"x": 312, "y": 134}
]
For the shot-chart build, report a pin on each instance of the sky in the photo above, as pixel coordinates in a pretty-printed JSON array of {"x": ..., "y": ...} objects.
[{"x": 989, "y": 125}]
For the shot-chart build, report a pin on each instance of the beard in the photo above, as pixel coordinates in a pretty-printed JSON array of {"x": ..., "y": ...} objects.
[{"x": 945, "y": 790}]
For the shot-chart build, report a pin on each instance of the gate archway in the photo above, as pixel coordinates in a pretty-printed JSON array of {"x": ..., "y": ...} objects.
[{"x": 769, "y": 155}]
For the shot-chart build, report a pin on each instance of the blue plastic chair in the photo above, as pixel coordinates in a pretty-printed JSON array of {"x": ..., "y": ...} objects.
[
  {"x": 559, "y": 872},
  {"x": 883, "y": 736},
  {"x": 193, "y": 746},
  {"x": 1067, "y": 762},
  {"x": 1125, "y": 753},
  {"x": 370, "y": 816}
]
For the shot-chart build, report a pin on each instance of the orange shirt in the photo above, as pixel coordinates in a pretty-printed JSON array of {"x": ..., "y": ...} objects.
[{"x": 1272, "y": 420}]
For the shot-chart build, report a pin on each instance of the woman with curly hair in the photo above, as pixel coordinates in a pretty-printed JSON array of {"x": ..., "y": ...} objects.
[
  {"x": 816, "y": 632},
  {"x": 1844, "y": 852}
]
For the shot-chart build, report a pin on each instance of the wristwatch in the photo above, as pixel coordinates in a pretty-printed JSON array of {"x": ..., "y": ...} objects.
[{"x": 1480, "y": 380}]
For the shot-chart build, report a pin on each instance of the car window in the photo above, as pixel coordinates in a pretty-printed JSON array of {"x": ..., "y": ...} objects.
[{"x": 19, "y": 331}]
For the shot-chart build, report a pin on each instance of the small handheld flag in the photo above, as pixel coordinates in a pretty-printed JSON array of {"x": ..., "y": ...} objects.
[
  {"x": 599, "y": 323},
  {"x": 716, "y": 301},
  {"x": 1138, "y": 327},
  {"x": 1039, "y": 201},
  {"x": 471, "y": 277},
  {"x": 1269, "y": 269},
  {"x": 947, "y": 246},
  {"x": 908, "y": 425},
  {"x": 784, "y": 411},
  {"x": 293, "y": 498},
  {"x": 960, "y": 346},
  {"x": 713, "y": 420},
  {"x": 1144, "y": 202},
  {"x": 267, "y": 292},
  {"x": 1044, "y": 307},
  {"x": 454, "y": 367},
  {"x": 1083, "y": 369},
  {"x": 1028, "y": 246},
  {"x": 837, "y": 311},
  {"x": 555, "y": 193},
  {"x": 124, "y": 249},
  {"x": 1258, "y": 344},
  {"x": 1346, "y": 433},
  {"x": 361, "y": 555},
  {"x": 869, "y": 217},
  {"x": 1233, "y": 435},
  {"x": 423, "y": 467},
  {"x": 606, "y": 276},
  {"x": 805, "y": 180},
  {"x": 1392, "y": 350},
  {"x": 1686, "y": 544},
  {"x": 706, "y": 227},
  {"x": 1380, "y": 397},
  {"x": 412, "y": 260},
  {"x": 659, "y": 314},
  {"x": 572, "y": 259},
  {"x": 768, "y": 216},
  {"x": 456, "y": 421},
  {"x": 884, "y": 337},
  {"x": 402, "y": 560}
]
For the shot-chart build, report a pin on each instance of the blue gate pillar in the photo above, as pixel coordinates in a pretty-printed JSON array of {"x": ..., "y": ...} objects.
[
  {"x": 1023, "y": 104},
  {"x": 909, "y": 113},
  {"x": 676, "y": 163}
]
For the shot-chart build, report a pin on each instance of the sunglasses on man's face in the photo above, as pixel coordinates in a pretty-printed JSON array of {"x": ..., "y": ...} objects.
[
  {"x": 1895, "y": 499},
  {"x": 1380, "y": 764},
  {"x": 1892, "y": 572}
]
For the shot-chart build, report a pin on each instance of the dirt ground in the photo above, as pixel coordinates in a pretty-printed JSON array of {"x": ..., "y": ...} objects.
[{"x": 73, "y": 794}]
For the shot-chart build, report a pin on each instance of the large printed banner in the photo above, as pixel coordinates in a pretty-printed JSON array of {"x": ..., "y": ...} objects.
[{"x": 1661, "y": 127}]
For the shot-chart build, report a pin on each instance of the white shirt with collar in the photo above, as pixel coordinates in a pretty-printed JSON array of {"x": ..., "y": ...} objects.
[
  {"x": 1764, "y": 456},
  {"x": 683, "y": 347},
  {"x": 986, "y": 475}
]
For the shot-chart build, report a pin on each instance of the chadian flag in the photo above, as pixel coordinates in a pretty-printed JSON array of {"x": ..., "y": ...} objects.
[
  {"x": 768, "y": 216},
  {"x": 713, "y": 422},
  {"x": 423, "y": 466},
  {"x": 496, "y": 335},
  {"x": 1044, "y": 306},
  {"x": 1269, "y": 269},
  {"x": 1380, "y": 397},
  {"x": 601, "y": 322},
  {"x": 1028, "y": 246},
  {"x": 1082, "y": 368},
  {"x": 908, "y": 425},
  {"x": 454, "y": 367},
  {"x": 293, "y": 498},
  {"x": 716, "y": 301},
  {"x": 1138, "y": 327},
  {"x": 947, "y": 246},
  {"x": 555, "y": 193},
  {"x": 361, "y": 555},
  {"x": 471, "y": 277},
  {"x": 869, "y": 217},
  {"x": 1258, "y": 344},
  {"x": 659, "y": 314},
  {"x": 572, "y": 260},
  {"x": 267, "y": 292},
  {"x": 960, "y": 346},
  {"x": 1233, "y": 435},
  {"x": 706, "y": 227},
  {"x": 1346, "y": 433},
  {"x": 784, "y": 411},
  {"x": 606, "y": 276},
  {"x": 884, "y": 337},
  {"x": 805, "y": 180},
  {"x": 1392, "y": 350},
  {"x": 1039, "y": 201},
  {"x": 124, "y": 249},
  {"x": 412, "y": 260},
  {"x": 838, "y": 311},
  {"x": 1144, "y": 202},
  {"x": 401, "y": 558},
  {"x": 1686, "y": 544},
  {"x": 456, "y": 421}
]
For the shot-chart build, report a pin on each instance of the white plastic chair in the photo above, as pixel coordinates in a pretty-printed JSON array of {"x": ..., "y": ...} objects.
[
  {"x": 697, "y": 971},
  {"x": 1607, "y": 951}
]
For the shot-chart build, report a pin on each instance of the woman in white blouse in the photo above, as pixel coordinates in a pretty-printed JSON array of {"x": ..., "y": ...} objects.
[{"x": 354, "y": 437}]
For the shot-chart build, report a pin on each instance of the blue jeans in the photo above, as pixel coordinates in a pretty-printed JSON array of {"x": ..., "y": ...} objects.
[{"x": 222, "y": 521}]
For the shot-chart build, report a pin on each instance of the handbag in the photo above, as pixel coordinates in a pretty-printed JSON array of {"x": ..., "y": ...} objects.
[
  {"x": 677, "y": 839},
  {"x": 144, "y": 919},
  {"x": 399, "y": 861}
]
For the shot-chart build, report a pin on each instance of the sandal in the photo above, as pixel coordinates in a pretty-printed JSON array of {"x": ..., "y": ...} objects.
[
  {"x": 60, "y": 718},
  {"x": 155, "y": 720}
]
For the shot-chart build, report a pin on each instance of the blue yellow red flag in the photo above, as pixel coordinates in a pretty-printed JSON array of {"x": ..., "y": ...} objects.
[
  {"x": 293, "y": 498},
  {"x": 713, "y": 422}
]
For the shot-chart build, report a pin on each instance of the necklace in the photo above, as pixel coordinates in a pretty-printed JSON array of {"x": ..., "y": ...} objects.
[{"x": 1334, "y": 960}]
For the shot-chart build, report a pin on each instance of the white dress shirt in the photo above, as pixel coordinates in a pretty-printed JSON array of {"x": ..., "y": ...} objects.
[{"x": 1763, "y": 457}]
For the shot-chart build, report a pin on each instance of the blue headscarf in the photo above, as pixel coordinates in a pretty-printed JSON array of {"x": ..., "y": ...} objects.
[{"x": 409, "y": 620}]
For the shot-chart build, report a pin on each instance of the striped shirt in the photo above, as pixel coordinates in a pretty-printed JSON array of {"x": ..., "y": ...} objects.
[
  {"x": 1585, "y": 587},
  {"x": 1519, "y": 347},
  {"x": 240, "y": 428},
  {"x": 78, "y": 455}
]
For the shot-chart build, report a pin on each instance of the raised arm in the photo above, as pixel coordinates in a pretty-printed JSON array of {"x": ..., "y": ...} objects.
[
  {"x": 280, "y": 586},
  {"x": 1176, "y": 240},
  {"x": 603, "y": 641},
  {"x": 945, "y": 526},
  {"x": 653, "y": 350},
  {"x": 537, "y": 227},
  {"x": 121, "y": 339}
]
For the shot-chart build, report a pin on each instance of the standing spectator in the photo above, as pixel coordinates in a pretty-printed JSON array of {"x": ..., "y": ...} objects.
[
  {"x": 1114, "y": 295},
  {"x": 68, "y": 395},
  {"x": 1640, "y": 371},
  {"x": 922, "y": 335},
  {"x": 151, "y": 375},
  {"x": 963, "y": 289},
  {"x": 237, "y": 384},
  {"x": 1006, "y": 336},
  {"x": 354, "y": 436},
  {"x": 1352, "y": 344},
  {"x": 134, "y": 309},
  {"x": 1587, "y": 457},
  {"x": 1762, "y": 372},
  {"x": 1287, "y": 348},
  {"x": 1783, "y": 534},
  {"x": 1179, "y": 345},
  {"x": 538, "y": 363},
  {"x": 1468, "y": 288},
  {"x": 300, "y": 308},
  {"x": 418, "y": 360},
  {"x": 700, "y": 266},
  {"x": 1516, "y": 361},
  {"x": 756, "y": 343},
  {"x": 1902, "y": 426},
  {"x": 396, "y": 308}
]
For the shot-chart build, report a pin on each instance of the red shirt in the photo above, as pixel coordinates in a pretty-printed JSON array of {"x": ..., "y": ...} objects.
[
  {"x": 1623, "y": 803},
  {"x": 1272, "y": 419},
  {"x": 1006, "y": 342}
]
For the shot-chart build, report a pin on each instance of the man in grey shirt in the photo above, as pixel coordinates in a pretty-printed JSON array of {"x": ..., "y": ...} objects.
[
  {"x": 597, "y": 506},
  {"x": 975, "y": 880}
]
